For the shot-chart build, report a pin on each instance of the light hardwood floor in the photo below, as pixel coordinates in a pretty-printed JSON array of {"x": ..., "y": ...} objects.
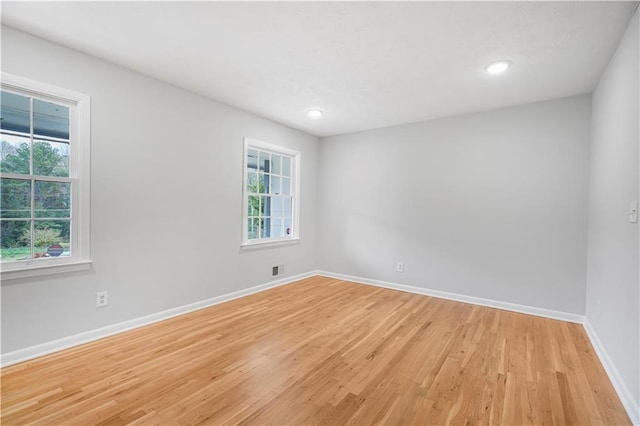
[{"x": 323, "y": 351}]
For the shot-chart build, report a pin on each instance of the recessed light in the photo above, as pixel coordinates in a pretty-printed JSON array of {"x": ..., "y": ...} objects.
[
  {"x": 498, "y": 67},
  {"x": 315, "y": 113}
]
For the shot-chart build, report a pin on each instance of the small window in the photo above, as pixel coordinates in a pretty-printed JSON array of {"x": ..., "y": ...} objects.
[
  {"x": 44, "y": 175},
  {"x": 270, "y": 194}
]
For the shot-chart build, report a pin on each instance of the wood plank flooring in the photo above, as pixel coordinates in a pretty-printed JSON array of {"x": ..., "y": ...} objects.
[{"x": 323, "y": 351}]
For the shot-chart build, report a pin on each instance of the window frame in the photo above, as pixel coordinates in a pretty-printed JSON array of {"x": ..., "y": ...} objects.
[
  {"x": 79, "y": 175},
  {"x": 294, "y": 238}
]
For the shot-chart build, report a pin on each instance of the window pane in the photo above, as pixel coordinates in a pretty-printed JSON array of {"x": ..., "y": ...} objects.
[
  {"x": 286, "y": 186},
  {"x": 286, "y": 207},
  {"x": 276, "y": 228},
  {"x": 276, "y": 161},
  {"x": 276, "y": 207},
  {"x": 264, "y": 161},
  {"x": 274, "y": 187},
  {"x": 51, "y": 238},
  {"x": 50, "y": 119},
  {"x": 252, "y": 228},
  {"x": 50, "y": 158},
  {"x": 14, "y": 112},
  {"x": 16, "y": 198},
  {"x": 265, "y": 206},
  {"x": 14, "y": 154},
  {"x": 286, "y": 166},
  {"x": 265, "y": 231},
  {"x": 263, "y": 183},
  {"x": 252, "y": 181},
  {"x": 253, "y": 205},
  {"x": 252, "y": 159},
  {"x": 52, "y": 199},
  {"x": 16, "y": 240}
]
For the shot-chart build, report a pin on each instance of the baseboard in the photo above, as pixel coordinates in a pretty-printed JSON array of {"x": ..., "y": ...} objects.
[
  {"x": 36, "y": 351},
  {"x": 632, "y": 407},
  {"x": 513, "y": 307}
]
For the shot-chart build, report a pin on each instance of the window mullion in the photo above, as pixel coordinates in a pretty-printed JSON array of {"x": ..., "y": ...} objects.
[
  {"x": 260, "y": 217},
  {"x": 31, "y": 136},
  {"x": 33, "y": 182},
  {"x": 37, "y": 177},
  {"x": 33, "y": 223}
]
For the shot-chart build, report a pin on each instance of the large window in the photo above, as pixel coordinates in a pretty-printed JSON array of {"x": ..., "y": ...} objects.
[
  {"x": 270, "y": 193},
  {"x": 43, "y": 176}
]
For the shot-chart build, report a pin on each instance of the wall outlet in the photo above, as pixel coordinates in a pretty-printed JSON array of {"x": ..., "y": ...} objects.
[
  {"x": 102, "y": 299},
  {"x": 400, "y": 266}
]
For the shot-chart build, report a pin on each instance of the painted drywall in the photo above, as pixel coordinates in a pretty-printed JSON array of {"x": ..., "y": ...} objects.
[
  {"x": 613, "y": 305},
  {"x": 490, "y": 205},
  {"x": 166, "y": 200}
]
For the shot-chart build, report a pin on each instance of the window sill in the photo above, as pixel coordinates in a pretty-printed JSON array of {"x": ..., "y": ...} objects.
[
  {"x": 269, "y": 244},
  {"x": 41, "y": 270}
]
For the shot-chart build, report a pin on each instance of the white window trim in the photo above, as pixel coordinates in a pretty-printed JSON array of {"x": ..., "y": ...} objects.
[
  {"x": 79, "y": 171},
  {"x": 295, "y": 191}
]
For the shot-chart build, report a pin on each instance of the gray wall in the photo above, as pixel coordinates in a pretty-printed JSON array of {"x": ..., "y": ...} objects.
[
  {"x": 612, "y": 278},
  {"x": 166, "y": 200},
  {"x": 490, "y": 205}
]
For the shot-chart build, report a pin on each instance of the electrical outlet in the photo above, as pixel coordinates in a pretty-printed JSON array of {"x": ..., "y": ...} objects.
[
  {"x": 102, "y": 299},
  {"x": 400, "y": 267}
]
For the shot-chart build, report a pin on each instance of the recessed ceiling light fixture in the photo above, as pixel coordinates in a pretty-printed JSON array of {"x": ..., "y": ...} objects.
[
  {"x": 315, "y": 113},
  {"x": 498, "y": 67}
]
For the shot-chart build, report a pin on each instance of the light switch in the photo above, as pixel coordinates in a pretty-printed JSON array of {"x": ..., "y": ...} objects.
[{"x": 633, "y": 212}]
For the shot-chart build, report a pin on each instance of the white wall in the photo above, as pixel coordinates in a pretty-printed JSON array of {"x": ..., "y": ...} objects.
[
  {"x": 166, "y": 200},
  {"x": 490, "y": 205},
  {"x": 613, "y": 305}
]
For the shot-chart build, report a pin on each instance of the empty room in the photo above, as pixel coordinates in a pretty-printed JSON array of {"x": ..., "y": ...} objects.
[{"x": 293, "y": 213}]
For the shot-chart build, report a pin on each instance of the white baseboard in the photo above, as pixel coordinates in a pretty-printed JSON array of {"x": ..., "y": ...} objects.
[
  {"x": 36, "y": 351},
  {"x": 514, "y": 307},
  {"x": 632, "y": 407}
]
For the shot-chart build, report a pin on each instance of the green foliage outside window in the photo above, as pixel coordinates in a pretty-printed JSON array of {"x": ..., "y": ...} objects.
[
  {"x": 51, "y": 199},
  {"x": 255, "y": 223}
]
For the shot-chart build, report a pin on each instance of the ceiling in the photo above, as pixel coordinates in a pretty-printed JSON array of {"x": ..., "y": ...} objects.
[{"x": 365, "y": 64}]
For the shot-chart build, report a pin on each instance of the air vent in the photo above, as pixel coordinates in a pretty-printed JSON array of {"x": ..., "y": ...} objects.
[{"x": 277, "y": 270}]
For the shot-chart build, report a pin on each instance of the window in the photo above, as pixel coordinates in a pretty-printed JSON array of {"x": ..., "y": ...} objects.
[
  {"x": 270, "y": 193},
  {"x": 44, "y": 178}
]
